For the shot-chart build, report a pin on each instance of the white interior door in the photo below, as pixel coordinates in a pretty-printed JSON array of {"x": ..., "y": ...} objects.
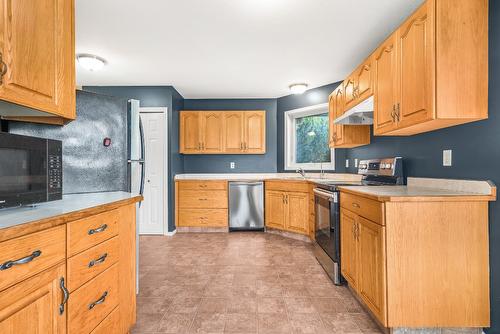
[{"x": 151, "y": 212}]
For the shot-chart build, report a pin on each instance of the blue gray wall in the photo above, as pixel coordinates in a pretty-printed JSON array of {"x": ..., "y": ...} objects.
[
  {"x": 157, "y": 96},
  {"x": 263, "y": 163},
  {"x": 312, "y": 97}
]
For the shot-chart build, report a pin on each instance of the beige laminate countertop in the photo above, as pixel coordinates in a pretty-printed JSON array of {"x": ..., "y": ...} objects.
[
  {"x": 19, "y": 221},
  {"x": 416, "y": 190},
  {"x": 312, "y": 177}
]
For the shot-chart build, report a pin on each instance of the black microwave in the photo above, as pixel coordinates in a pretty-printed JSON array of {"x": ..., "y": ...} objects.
[{"x": 30, "y": 170}]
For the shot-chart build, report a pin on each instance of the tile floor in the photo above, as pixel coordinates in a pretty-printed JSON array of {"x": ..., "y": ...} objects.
[{"x": 240, "y": 283}]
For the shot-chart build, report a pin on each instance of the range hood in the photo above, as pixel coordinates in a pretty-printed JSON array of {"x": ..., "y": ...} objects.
[{"x": 361, "y": 114}]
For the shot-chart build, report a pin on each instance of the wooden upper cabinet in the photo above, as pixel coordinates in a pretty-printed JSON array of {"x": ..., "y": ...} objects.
[
  {"x": 364, "y": 81},
  {"x": 211, "y": 132},
  {"x": 433, "y": 71},
  {"x": 349, "y": 94},
  {"x": 32, "y": 306},
  {"x": 386, "y": 86},
  {"x": 344, "y": 136},
  {"x": 233, "y": 132},
  {"x": 190, "y": 132},
  {"x": 255, "y": 132},
  {"x": 223, "y": 132},
  {"x": 38, "y": 54},
  {"x": 416, "y": 67}
]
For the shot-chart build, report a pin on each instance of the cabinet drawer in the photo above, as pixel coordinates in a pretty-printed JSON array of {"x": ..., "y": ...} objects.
[
  {"x": 30, "y": 254},
  {"x": 296, "y": 186},
  {"x": 88, "y": 232},
  {"x": 110, "y": 325},
  {"x": 90, "y": 304},
  {"x": 210, "y": 199},
  {"x": 88, "y": 264},
  {"x": 203, "y": 217},
  {"x": 202, "y": 185},
  {"x": 364, "y": 207}
]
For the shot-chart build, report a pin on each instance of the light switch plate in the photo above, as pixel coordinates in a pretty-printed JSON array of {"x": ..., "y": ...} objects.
[
  {"x": 447, "y": 160},
  {"x": 356, "y": 163},
  {"x": 346, "y": 163},
  {"x": 232, "y": 165}
]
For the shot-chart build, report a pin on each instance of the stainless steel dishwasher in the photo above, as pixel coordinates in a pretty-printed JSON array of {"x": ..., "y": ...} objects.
[{"x": 246, "y": 206}]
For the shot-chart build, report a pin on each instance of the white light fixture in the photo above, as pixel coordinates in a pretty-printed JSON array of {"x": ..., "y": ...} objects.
[
  {"x": 90, "y": 62},
  {"x": 298, "y": 88}
]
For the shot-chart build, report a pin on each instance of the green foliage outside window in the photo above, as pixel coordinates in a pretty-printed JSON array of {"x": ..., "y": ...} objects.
[{"x": 311, "y": 133}]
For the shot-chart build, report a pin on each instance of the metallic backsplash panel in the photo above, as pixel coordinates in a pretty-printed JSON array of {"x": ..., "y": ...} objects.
[{"x": 89, "y": 166}]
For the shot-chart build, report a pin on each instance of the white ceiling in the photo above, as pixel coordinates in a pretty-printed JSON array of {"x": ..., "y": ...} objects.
[{"x": 231, "y": 48}]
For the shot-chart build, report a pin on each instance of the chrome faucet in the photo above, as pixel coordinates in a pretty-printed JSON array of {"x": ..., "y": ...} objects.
[{"x": 301, "y": 172}]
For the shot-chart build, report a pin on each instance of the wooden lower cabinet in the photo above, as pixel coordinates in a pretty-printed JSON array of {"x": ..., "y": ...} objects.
[
  {"x": 81, "y": 291},
  {"x": 402, "y": 258},
  {"x": 201, "y": 203},
  {"x": 33, "y": 305},
  {"x": 286, "y": 209}
]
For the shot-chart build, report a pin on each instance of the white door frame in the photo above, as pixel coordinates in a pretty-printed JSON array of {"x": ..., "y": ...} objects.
[{"x": 164, "y": 111}]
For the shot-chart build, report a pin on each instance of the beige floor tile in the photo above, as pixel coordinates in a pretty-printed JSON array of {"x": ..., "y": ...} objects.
[
  {"x": 241, "y": 323},
  {"x": 208, "y": 323}
]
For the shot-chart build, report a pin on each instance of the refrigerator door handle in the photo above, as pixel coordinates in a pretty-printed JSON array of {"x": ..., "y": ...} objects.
[{"x": 143, "y": 160}]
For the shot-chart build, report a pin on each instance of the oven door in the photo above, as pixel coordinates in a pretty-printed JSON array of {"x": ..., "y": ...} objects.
[
  {"x": 327, "y": 222},
  {"x": 23, "y": 170}
]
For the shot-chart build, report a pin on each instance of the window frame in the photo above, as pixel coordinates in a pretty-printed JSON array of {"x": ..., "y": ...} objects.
[{"x": 291, "y": 142}]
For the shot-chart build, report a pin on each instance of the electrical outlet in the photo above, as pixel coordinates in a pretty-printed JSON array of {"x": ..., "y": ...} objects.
[
  {"x": 232, "y": 165},
  {"x": 356, "y": 163},
  {"x": 346, "y": 163},
  {"x": 447, "y": 161}
]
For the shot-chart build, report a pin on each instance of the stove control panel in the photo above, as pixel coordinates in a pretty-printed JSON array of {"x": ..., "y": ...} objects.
[{"x": 382, "y": 167}]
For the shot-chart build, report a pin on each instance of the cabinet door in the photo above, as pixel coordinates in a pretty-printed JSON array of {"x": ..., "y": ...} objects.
[
  {"x": 364, "y": 81},
  {"x": 255, "y": 132},
  {"x": 233, "y": 132},
  {"x": 37, "y": 49},
  {"x": 417, "y": 67},
  {"x": 190, "y": 132},
  {"x": 386, "y": 88},
  {"x": 211, "y": 132},
  {"x": 32, "y": 306},
  {"x": 348, "y": 247},
  {"x": 371, "y": 282},
  {"x": 297, "y": 212},
  {"x": 349, "y": 92},
  {"x": 331, "y": 117},
  {"x": 339, "y": 110},
  {"x": 275, "y": 209}
]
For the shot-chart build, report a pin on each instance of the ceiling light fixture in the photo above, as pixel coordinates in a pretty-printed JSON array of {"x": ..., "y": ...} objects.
[
  {"x": 90, "y": 62},
  {"x": 298, "y": 88}
]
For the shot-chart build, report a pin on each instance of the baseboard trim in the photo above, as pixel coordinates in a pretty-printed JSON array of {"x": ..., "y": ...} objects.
[{"x": 170, "y": 234}]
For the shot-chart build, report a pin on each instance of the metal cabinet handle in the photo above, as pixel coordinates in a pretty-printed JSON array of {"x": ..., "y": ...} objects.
[
  {"x": 9, "y": 264},
  {"x": 356, "y": 205},
  {"x": 100, "y": 229},
  {"x": 65, "y": 296},
  {"x": 99, "y": 301},
  {"x": 202, "y": 199},
  {"x": 203, "y": 185},
  {"x": 354, "y": 231},
  {"x": 357, "y": 231},
  {"x": 98, "y": 260},
  {"x": 397, "y": 112},
  {"x": 393, "y": 113},
  {"x": 3, "y": 69}
]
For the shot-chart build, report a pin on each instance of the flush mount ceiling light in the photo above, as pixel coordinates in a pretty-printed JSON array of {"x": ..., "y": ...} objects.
[
  {"x": 90, "y": 62},
  {"x": 298, "y": 88}
]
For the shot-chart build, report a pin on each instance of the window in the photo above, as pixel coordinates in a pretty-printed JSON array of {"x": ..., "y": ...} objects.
[{"x": 306, "y": 139}]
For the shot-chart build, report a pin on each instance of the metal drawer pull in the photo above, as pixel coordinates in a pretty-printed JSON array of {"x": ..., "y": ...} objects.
[
  {"x": 99, "y": 260},
  {"x": 202, "y": 199},
  {"x": 99, "y": 301},
  {"x": 65, "y": 296},
  {"x": 98, "y": 230},
  {"x": 23, "y": 260},
  {"x": 356, "y": 205}
]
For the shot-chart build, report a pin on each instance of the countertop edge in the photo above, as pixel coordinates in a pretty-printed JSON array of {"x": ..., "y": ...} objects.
[
  {"x": 53, "y": 221},
  {"x": 427, "y": 198}
]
